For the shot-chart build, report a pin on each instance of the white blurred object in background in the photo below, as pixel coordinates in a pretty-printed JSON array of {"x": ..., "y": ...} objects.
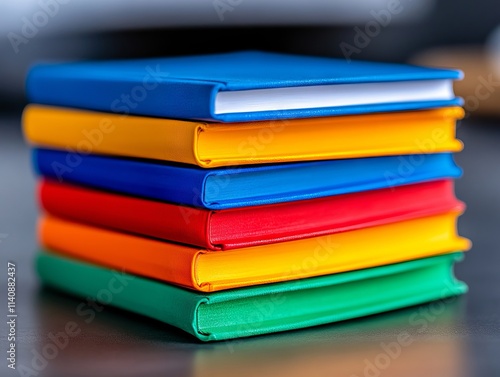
[
  {"x": 98, "y": 15},
  {"x": 32, "y": 30},
  {"x": 493, "y": 48}
]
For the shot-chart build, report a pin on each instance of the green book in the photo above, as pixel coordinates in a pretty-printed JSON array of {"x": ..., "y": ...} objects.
[{"x": 259, "y": 309}]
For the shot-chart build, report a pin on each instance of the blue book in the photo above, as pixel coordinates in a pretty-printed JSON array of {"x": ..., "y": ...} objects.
[
  {"x": 241, "y": 86},
  {"x": 242, "y": 186}
]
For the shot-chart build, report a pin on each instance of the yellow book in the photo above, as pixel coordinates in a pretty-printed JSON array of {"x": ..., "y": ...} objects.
[
  {"x": 224, "y": 144},
  {"x": 208, "y": 270}
]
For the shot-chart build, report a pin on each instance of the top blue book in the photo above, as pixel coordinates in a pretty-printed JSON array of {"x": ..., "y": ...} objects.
[{"x": 241, "y": 86}]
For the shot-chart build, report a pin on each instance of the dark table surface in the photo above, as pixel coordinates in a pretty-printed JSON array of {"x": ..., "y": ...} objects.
[{"x": 459, "y": 338}]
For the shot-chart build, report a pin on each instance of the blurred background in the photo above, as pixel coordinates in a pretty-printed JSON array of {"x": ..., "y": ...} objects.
[
  {"x": 458, "y": 33},
  {"x": 463, "y": 339}
]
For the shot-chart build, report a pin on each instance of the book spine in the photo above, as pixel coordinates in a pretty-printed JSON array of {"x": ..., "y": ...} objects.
[
  {"x": 144, "y": 179},
  {"x": 345, "y": 251},
  {"x": 304, "y": 303},
  {"x": 280, "y": 183},
  {"x": 152, "y": 94},
  {"x": 251, "y": 226},
  {"x": 160, "y": 220}
]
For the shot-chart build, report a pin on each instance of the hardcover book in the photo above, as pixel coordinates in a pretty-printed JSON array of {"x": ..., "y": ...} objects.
[
  {"x": 208, "y": 270},
  {"x": 247, "y": 226},
  {"x": 263, "y": 309},
  {"x": 213, "y": 144},
  {"x": 241, "y": 186},
  {"x": 241, "y": 86}
]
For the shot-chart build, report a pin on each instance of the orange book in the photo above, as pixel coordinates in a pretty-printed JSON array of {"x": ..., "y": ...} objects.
[
  {"x": 209, "y": 270},
  {"x": 212, "y": 145}
]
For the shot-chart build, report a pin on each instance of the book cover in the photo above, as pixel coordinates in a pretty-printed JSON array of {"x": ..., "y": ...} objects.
[
  {"x": 246, "y": 226},
  {"x": 263, "y": 309},
  {"x": 241, "y": 186},
  {"x": 241, "y": 86},
  {"x": 214, "y": 144},
  {"x": 208, "y": 270}
]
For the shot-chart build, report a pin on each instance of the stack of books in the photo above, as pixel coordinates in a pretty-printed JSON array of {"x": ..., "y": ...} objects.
[{"x": 246, "y": 193}]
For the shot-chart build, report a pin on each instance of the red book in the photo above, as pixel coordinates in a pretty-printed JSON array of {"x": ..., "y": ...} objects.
[{"x": 249, "y": 226}]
